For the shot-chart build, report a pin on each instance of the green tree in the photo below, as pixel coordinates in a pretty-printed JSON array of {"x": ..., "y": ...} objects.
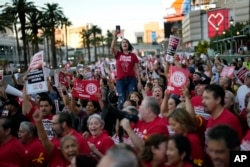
[
  {"x": 85, "y": 35},
  {"x": 66, "y": 23},
  {"x": 202, "y": 47},
  {"x": 34, "y": 20},
  {"x": 21, "y": 8},
  {"x": 53, "y": 16},
  {"x": 109, "y": 39},
  {"x": 95, "y": 30}
]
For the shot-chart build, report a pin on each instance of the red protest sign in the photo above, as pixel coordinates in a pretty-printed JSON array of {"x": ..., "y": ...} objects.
[
  {"x": 85, "y": 89},
  {"x": 64, "y": 77},
  {"x": 241, "y": 73},
  {"x": 228, "y": 71},
  {"x": 178, "y": 79}
]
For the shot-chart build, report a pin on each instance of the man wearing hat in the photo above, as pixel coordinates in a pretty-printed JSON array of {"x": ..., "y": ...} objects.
[
  {"x": 197, "y": 100},
  {"x": 14, "y": 113}
]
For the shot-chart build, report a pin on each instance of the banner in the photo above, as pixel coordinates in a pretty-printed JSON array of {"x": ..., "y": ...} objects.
[
  {"x": 85, "y": 89},
  {"x": 36, "y": 78},
  {"x": 217, "y": 18},
  {"x": 178, "y": 79},
  {"x": 64, "y": 78},
  {"x": 241, "y": 73},
  {"x": 173, "y": 45},
  {"x": 228, "y": 71}
]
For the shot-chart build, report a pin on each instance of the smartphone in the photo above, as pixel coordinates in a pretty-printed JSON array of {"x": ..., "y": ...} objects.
[{"x": 118, "y": 29}]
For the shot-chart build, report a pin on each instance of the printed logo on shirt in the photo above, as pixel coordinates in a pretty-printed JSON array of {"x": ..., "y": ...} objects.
[
  {"x": 40, "y": 159},
  {"x": 48, "y": 128}
]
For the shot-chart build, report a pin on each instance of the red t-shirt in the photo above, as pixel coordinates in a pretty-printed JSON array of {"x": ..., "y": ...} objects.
[
  {"x": 35, "y": 153},
  {"x": 12, "y": 153},
  {"x": 226, "y": 118},
  {"x": 245, "y": 143},
  {"x": 102, "y": 142},
  {"x": 57, "y": 159},
  {"x": 145, "y": 129},
  {"x": 83, "y": 145},
  {"x": 197, "y": 152},
  {"x": 125, "y": 64},
  {"x": 196, "y": 101}
]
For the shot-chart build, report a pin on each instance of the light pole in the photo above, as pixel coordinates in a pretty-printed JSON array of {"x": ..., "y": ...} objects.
[
  {"x": 217, "y": 44},
  {"x": 231, "y": 33}
]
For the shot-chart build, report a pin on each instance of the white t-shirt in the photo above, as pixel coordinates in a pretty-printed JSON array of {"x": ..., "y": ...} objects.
[{"x": 240, "y": 97}]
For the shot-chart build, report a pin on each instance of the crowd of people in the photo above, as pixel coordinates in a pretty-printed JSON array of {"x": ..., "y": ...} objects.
[{"x": 135, "y": 122}]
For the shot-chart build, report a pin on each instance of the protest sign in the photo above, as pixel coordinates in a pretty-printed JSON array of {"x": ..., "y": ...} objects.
[
  {"x": 85, "y": 89},
  {"x": 228, "y": 71},
  {"x": 36, "y": 78},
  {"x": 173, "y": 45},
  {"x": 64, "y": 78},
  {"x": 241, "y": 73},
  {"x": 178, "y": 79}
]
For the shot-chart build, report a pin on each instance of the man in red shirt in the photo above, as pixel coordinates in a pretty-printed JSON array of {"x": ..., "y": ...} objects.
[
  {"x": 62, "y": 126},
  {"x": 197, "y": 100},
  {"x": 221, "y": 140},
  {"x": 213, "y": 101},
  {"x": 149, "y": 124},
  {"x": 12, "y": 152}
]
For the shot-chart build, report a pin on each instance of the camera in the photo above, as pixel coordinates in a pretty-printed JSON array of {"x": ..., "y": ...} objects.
[{"x": 130, "y": 112}]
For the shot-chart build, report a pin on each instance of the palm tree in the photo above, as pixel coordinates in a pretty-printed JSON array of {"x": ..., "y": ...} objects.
[
  {"x": 102, "y": 40},
  {"x": 109, "y": 39},
  {"x": 34, "y": 24},
  {"x": 95, "y": 31},
  {"x": 66, "y": 23},
  {"x": 5, "y": 22},
  {"x": 53, "y": 15},
  {"x": 21, "y": 8},
  {"x": 85, "y": 35}
]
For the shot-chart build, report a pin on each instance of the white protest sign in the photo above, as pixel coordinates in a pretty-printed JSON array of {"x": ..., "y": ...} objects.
[{"x": 36, "y": 78}]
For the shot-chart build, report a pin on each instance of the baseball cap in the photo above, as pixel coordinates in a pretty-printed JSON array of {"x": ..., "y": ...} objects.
[{"x": 204, "y": 80}]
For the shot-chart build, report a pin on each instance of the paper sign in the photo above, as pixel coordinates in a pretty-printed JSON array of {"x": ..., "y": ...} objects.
[
  {"x": 46, "y": 72},
  {"x": 228, "y": 71},
  {"x": 1, "y": 75},
  {"x": 173, "y": 45},
  {"x": 36, "y": 78},
  {"x": 178, "y": 79},
  {"x": 56, "y": 77},
  {"x": 241, "y": 73},
  {"x": 85, "y": 89},
  {"x": 64, "y": 78}
]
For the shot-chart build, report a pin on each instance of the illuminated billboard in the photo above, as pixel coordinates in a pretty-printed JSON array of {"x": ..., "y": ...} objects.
[
  {"x": 217, "y": 18},
  {"x": 174, "y": 10}
]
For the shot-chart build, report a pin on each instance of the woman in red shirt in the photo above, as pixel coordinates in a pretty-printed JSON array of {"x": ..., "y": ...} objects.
[
  {"x": 154, "y": 152},
  {"x": 35, "y": 153},
  {"x": 127, "y": 69},
  {"x": 183, "y": 124},
  {"x": 99, "y": 141},
  {"x": 178, "y": 152}
]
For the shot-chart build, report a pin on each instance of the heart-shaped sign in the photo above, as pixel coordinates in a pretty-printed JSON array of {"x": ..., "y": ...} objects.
[{"x": 215, "y": 19}]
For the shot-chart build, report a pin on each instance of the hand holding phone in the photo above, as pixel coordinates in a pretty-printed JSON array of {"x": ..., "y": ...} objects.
[{"x": 118, "y": 29}]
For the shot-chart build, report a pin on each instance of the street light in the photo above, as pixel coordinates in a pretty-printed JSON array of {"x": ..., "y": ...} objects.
[
  {"x": 217, "y": 44},
  {"x": 231, "y": 33}
]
